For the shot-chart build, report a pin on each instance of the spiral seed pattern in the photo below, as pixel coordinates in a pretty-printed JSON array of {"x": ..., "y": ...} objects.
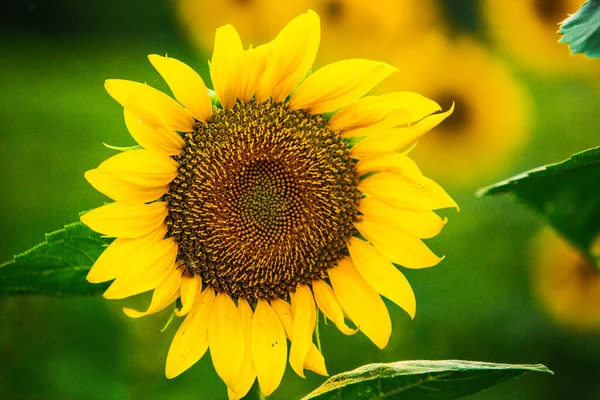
[{"x": 265, "y": 199}]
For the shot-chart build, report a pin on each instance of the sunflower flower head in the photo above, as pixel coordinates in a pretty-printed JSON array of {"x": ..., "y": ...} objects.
[
  {"x": 253, "y": 210},
  {"x": 477, "y": 144},
  {"x": 566, "y": 282}
]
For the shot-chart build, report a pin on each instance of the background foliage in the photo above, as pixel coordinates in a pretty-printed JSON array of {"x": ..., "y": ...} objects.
[{"x": 478, "y": 304}]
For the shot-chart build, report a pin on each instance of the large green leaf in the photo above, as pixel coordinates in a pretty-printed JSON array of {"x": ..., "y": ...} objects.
[
  {"x": 582, "y": 30},
  {"x": 566, "y": 193},
  {"x": 419, "y": 380},
  {"x": 56, "y": 267}
]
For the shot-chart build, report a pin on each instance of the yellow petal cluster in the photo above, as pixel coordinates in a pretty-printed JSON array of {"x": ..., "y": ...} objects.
[{"x": 249, "y": 341}]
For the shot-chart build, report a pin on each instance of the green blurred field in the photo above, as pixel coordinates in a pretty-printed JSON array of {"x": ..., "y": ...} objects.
[{"x": 55, "y": 115}]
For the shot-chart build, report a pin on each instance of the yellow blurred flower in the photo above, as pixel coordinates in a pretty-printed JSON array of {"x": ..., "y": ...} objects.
[
  {"x": 351, "y": 28},
  {"x": 257, "y": 21},
  {"x": 528, "y": 30},
  {"x": 491, "y": 120},
  {"x": 256, "y": 210},
  {"x": 566, "y": 283},
  {"x": 358, "y": 28}
]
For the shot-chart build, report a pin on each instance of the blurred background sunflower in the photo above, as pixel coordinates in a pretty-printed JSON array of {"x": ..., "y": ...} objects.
[
  {"x": 478, "y": 304},
  {"x": 349, "y": 28},
  {"x": 492, "y": 120},
  {"x": 527, "y": 30},
  {"x": 566, "y": 283}
]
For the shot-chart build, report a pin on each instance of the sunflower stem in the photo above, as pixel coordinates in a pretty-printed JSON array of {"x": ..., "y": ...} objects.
[{"x": 317, "y": 336}]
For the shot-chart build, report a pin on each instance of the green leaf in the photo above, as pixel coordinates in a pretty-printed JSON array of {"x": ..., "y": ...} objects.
[
  {"x": 582, "y": 30},
  {"x": 56, "y": 267},
  {"x": 430, "y": 380},
  {"x": 566, "y": 193}
]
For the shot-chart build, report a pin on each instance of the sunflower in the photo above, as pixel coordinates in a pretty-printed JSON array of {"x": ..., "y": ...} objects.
[
  {"x": 528, "y": 30},
  {"x": 356, "y": 28},
  {"x": 566, "y": 283},
  {"x": 491, "y": 122},
  {"x": 250, "y": 209},
  {"x": 351, "y": 28},
  {"x": 255, "y": 20}
]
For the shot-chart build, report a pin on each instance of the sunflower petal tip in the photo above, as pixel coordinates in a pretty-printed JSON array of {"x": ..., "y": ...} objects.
[
  {"x": 179, "y": 313},
  {"x": 391, "y": 68},
  {"x": 173, "y": 370},
  {"x": 84, "y": 218},
  {"x": 169, "y": 373},
  {"x": 109, "y": 84},
  {"x": 268, "y": 391},
  {"x": 455, "y": 205},
  {"x": 89, "y": 174},
  {"x": 131, "y": 313},
  {"x": 231, "y": 395},
  {"x": 315, "y": 17},
  {"x": 227, "y": 27},
  {"x": 451, "y": 110},
  {"x": 382, "y": 344},
  {"x": 91, "y": 278},
  {"x": 299, "y": 371}
]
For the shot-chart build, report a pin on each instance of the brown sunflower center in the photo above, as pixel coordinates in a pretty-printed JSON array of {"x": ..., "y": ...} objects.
[
  {"x": 551, "y": 11},
  {"x": 461, "y": 117},
  {"x": 334, "y": 10},
  {"x": 265, "y": 200}
]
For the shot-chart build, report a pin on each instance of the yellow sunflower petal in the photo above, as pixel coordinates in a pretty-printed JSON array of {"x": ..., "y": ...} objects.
[
  {"x": 381, "y": 274},
  {"x": 395, "y": 139},
  {"x": 269, "y": 347},
  {"x": 153, "y": 137},
  {"x": 314, "y": 359},
  {"x": 283, "y": 309},
  {"x": 145, "y": 168},
  {"x": 417, "y": 105},
  {"x": 231, "y": 395},
  {"x": 364, "y": 112},
  {"x": 187, "y": 86},
  {"x": 126, "y": 220},
  {"x": 396, "y": 163},
  {"x": 290, "y": 57},
  {"x": 253, "y": 65},
  {"x": 115, "y": 259},
  {"x": 403, "y": 192},
  {"x": 164, "y": 294},
  {"x": 372, "y": 113},
  {"x": 247, "y": 374},
  {"x": 145, "y": 271},
  {"x": 329, "y": 305},
  {"x": 122, "y": 190},
  {"x": 361, "y": 302},
  {"x": 304, "y": 320},
  {"x": 339, "y": 84},
  {"x": 191, "y": 340},
  {"x": 423, "y": 224},
  {"x": 395, "y": 244},
  {"x": 150, "y": 105},
  {"x": 190, "y": 288},
  {"x": 225, "y": 65},
  {"x": 226, "y": 339}
]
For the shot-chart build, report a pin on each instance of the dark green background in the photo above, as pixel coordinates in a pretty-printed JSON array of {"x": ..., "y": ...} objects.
[{"x": 54, "y": 115}]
